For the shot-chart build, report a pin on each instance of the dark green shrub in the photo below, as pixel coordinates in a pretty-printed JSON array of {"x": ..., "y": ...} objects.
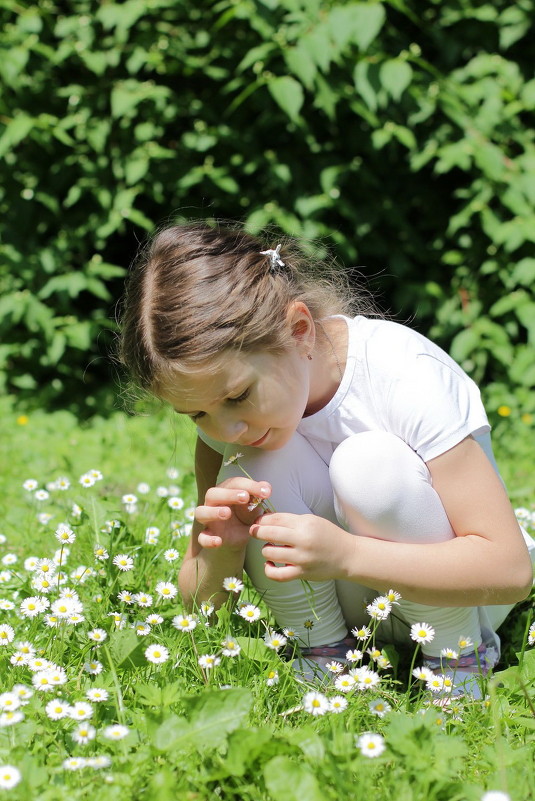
[{"x": 401, "y": 133}]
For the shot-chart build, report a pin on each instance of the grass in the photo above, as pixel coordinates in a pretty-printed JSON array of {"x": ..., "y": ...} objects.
[{"x": 239, "y": 729}]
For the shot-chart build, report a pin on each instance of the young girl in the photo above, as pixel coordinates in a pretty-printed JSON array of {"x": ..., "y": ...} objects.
[{"x": 369, "y": 441}]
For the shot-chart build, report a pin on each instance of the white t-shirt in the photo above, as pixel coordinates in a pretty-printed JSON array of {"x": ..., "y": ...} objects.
[{"x": 397, "y": 380}]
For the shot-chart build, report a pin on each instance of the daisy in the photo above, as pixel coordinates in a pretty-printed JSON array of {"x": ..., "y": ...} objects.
[
  {"x": 58, "y": 675},
  {"x": 143, "y": 599},
  {"x": 290, "y": 634},
  {"x": 97, "y": 695},
  {"x": 9, "y": 776},
  {"x": 11, "y": 718},
  {"x": 171, "y": 555},
  {"x": 157, "y": 654},
  {"x": 209, "y": 661},
  {"x": 64, "y": 607},
  {"x": 57, "y": 709},
  {"x": 81, "y": 710},
  {"x": 123, "y": 562},
  {"x": 143, "y": 488},
  {"x": 115, "y": 732},
  {"x": 101, "y": 761},
  {"x": 272, "y": 678},
  {"x": 38, "y": 663},
  {"x": 74, "y": 763},
  {"x": 365, "y": 678},
  {"x": 30, "y": 564},
  {"x": 100, "y": 553},
  {"x": 30, "y": 484},
  {"x": 380, "y": 608},
  {"x": 315, "y": 703},
  {"x": 125, "y": 597},
  {"x": 9, "y": 559},
  {"x": 83, "y": 733},
  {"x": 165, "y": 589},
  {"x": 7, "y": 634},
  {"x": 43, "y": 583},
  {"x": 422, "y": 673},
  {"x": 393, "y": 596},
  {"x": 154, "y": 619},
  {"x": 495, "y": 795},
  {"x": 362, "y": 633},
  {"x": 449, "y": 653},
  {"x": 337, "y": 704},
  {"x": 232, "y": 584},
  {"x": 422, "y": 632},
  {"x": 435, "y": 683},
  {"x": 41, "y": 495},
  {"x": 379, "y": 708},
  {"x": 97, "y": 635},
  {"x": 142, "y": 629},
  {"x": 23, "y": 692},
  {"x": 184, "y": 622},
  {"x": 175, "y": 502},
  {"x": 42, "y": 680},
  {"x": 96, "y": 474},
  {"x": 250, "y": 612},
  {"x": 93, "y": 668},
  {"x": 230, "y": 648},
  {"x": 9, "y": 701},
  {"x": 129, "y": 499},
  {"x": 334, "y": 667},
  {"x": 207, "y": 608},
  {"x": 370, "y": 744},
  {"x": 274, "y": 640},
  {"x": 33, "y": 606},
  {"x": 86, "y": 480},
  {"x": 65, "y": 534},
  {"x": 354, "y": 655},
  {"x": 345, "y": 683},
  {"x": 62, "y": 483},
  {"x": 18, "y": 659},
  {"x": 162, "y": 492}
]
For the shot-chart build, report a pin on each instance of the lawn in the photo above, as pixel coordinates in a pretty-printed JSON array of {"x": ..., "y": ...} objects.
[{"x": 110, "y": 686}]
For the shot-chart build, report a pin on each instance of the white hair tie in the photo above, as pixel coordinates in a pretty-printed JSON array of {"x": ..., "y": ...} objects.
[{"x": 274, "y": 255}]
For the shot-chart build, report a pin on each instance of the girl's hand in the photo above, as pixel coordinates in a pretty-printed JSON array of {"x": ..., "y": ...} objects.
[
  {"x": 225, "y": 517},
  {"x": 308, "y": 546}
]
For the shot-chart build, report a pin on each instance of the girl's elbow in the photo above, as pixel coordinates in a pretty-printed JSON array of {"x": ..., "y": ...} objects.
[{"x": 522, "y": 580}]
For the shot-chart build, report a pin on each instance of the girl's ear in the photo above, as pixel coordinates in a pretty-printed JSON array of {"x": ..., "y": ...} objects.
[{"x": 301, "y": 325}]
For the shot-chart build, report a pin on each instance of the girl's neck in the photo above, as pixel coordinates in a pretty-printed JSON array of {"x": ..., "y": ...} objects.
[{"x": 328, "y": 363}]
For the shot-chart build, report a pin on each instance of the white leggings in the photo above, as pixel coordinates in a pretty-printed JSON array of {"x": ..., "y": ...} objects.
[{"x": 375, "y": 486}]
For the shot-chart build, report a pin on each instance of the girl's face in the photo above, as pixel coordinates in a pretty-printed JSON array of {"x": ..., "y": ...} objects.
[{"x": 255, "y": 399}]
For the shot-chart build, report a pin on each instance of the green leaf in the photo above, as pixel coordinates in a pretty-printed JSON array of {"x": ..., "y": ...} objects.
[
  {"x": 244, "y": 746},
  {"x": 126, "y": 649},
  {"x": 254, "y": 648},
  {"x": 17, "y": 129},
  {"x": 367, "y": 83},
  {"x": 301, "y": 64},
  {"x": 395, "y": 75},
  {"x": 289, "y": 780},
  {"x": 367, "y": 21},
  {"x": 212, "y": 716},
  {"x": 289, "y": 95}
]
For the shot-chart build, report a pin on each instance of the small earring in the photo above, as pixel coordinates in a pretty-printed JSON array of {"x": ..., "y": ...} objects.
[{"x": 309, "y": 357}]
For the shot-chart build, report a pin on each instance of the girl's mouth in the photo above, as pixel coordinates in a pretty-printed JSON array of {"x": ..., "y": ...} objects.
[{"x": 259, "y": 441}]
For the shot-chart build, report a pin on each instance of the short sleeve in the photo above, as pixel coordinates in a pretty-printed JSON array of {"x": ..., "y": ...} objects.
[{"x": 425, "y": 397}]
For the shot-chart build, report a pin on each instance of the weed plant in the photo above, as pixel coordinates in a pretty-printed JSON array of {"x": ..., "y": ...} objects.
[{"x": 109, "y": 685}]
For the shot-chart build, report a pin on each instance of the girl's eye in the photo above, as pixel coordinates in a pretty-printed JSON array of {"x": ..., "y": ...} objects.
[{"x": 241, "y": 397}]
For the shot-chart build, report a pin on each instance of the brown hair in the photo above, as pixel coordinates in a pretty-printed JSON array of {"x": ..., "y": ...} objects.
[{"x": 197, "y": 290}]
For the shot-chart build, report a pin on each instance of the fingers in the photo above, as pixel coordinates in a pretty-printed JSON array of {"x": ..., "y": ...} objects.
[
  {"x": 207, "y": 540},
  {"x": 285, "y": 573},
  {"x": 271, "y": 528},
  {"x": 237, "y": 490}
]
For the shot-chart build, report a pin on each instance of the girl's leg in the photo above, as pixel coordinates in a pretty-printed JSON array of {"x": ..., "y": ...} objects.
[
  {"x": 383, "y": 489},
  {"x": 300, "y": 485}
]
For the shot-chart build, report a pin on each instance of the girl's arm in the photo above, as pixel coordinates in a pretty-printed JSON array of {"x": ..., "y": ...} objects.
[
  {"x": 219, "y": 537},
  {"x": 486, "y": 563}
]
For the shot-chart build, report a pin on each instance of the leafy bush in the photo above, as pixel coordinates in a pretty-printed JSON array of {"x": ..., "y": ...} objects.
[{"x": 400, "y": 134}]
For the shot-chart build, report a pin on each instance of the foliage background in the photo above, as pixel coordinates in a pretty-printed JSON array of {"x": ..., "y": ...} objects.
[{"x": 399, "y": 133}]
